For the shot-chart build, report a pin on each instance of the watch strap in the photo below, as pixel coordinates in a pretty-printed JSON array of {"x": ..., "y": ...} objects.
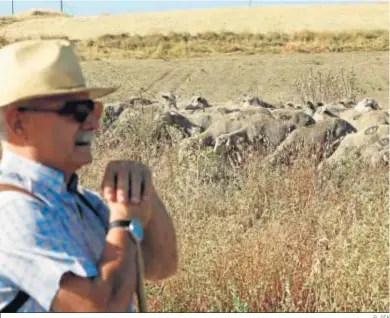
[{"x": 119, "y": 223}]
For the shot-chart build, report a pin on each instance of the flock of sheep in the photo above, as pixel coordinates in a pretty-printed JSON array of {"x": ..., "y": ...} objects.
[{"x": 330, "y": 132}]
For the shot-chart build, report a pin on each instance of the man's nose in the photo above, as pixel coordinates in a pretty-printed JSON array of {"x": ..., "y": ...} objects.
[{"x": 93, "y": 120}]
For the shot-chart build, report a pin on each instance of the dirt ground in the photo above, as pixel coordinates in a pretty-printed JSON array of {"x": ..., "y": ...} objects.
[{"x": 223, "y": 79}]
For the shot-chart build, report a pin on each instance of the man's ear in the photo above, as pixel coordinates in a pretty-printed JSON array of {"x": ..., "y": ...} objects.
[{"x": 14, "y": 122}]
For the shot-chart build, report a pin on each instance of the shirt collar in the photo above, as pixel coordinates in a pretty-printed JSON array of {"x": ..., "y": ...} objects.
[
  {"x": 73, "y": 183},
  {"x": 12, "y": 162}
]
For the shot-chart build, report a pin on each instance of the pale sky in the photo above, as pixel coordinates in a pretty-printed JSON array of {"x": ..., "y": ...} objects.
[{"x": 85, "y": 8}]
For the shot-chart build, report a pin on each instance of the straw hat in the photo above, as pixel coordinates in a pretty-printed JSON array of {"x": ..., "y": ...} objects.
[{"x": 40, "y": 68}]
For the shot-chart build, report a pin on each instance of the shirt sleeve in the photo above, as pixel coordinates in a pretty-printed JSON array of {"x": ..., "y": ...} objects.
[
  {"x": 102, "y": 209},
  {"x": 35, "y": 249}
]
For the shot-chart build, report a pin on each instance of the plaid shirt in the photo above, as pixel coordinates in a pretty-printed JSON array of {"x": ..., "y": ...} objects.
[{"x": 39, "y": 242}]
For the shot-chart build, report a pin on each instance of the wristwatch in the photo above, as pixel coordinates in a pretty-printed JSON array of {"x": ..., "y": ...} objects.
[{"x": 134, "y": 227}]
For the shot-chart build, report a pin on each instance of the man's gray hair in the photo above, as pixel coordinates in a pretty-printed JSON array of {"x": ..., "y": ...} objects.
[{"x": 3, "y": 130}]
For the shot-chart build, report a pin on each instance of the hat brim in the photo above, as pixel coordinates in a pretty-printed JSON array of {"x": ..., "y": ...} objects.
[{"x": 93, "y": 93}]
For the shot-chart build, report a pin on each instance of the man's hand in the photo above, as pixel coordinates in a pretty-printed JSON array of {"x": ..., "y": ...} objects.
[
  {"x": 128, "y": 189},
  {"x": 127, "y": 185}
]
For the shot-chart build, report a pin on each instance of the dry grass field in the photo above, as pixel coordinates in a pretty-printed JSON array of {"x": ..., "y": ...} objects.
[
  {"x": 267, "y": 240},
  {"x": 284, "y": 239}
]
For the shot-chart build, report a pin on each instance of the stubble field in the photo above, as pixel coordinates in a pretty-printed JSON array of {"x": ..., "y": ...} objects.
[{"x": 256, "y": 19}]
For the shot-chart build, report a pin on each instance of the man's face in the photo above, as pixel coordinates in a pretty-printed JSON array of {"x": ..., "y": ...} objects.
[{"x": 59, "y": 141}]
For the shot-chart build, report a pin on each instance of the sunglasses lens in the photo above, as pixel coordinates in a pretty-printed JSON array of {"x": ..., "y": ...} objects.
[
  {"x": 80, "y": 110},
  {"x": 80, "y": 116}
]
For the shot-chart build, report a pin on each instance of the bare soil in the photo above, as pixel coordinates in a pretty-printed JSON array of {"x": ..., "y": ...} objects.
[{"x": 223, "y": 79}]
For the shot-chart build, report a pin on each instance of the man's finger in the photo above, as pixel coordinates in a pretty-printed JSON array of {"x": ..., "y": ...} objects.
[
  {"x": 109, "y": 183},
  {"x": 136, "y": 179},
  {"x": 146, "y": 183},
  {"x": 122, "y": 189}
]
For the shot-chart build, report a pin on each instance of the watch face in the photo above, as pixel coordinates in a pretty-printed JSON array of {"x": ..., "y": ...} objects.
[{"x": 136, "y": 229}]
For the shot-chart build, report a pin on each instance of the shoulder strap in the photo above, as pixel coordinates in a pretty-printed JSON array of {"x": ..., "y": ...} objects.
[
  {"x": 87, "y": 203},
  {"x": 9, "y": 187},
  {"x": 21, "y": 296},
  {"x": 90, "y": 206},
  {"x": 17, "y": 303}
]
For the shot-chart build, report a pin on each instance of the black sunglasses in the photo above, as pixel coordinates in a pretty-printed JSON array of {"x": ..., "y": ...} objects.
[{"x": 78, "y": 109}]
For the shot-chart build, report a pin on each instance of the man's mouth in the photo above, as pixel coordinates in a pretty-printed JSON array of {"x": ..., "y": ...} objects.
[
  {"x": 81, "y": 144},
  {"x": 84, "y": 140}
]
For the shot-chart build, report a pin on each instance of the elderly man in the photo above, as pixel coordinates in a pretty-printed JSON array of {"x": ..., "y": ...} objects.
[{"x": 62, "y": 248}]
